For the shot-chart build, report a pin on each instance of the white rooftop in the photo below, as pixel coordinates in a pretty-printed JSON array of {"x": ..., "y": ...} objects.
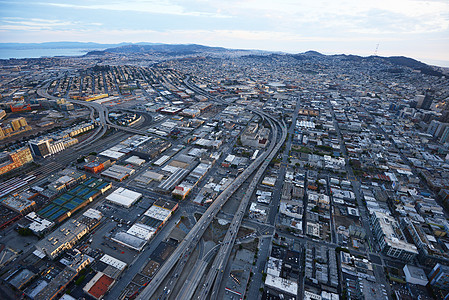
[
  {"x": 112, "y": 261},
  {"x": 124, "y": 197},
  {"x": 158, "y": 213},
  {"x": 141, "y": 231},
  {"x": 93, "y": 214},
  {"x": 161, "y": 160},
  {"x": 281, "y": 284},
  {"x": 135, "y": 160},
  {"x": 112, "y": 154}
]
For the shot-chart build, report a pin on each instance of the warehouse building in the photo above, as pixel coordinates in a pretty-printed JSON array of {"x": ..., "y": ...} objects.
[
  {"x": 141, "y": 232},
  {"x": 124, "y": 197},
  {"x": 149, "y": 176},
  {"x": 66, "y": 204},
  {"x": 118, "y": 173},
  {"x": 135, "y": 160}
]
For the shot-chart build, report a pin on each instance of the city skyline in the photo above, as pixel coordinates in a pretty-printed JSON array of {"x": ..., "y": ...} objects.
[{"x": 417, "y": 29}]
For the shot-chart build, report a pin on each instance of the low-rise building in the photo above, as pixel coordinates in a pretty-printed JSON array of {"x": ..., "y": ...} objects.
[
  {"x": 65, "y": 237},
  {"x": 118, "y": 173},
  {"x": 415, "y": 275},
  {"x": 124, "y": 197},
  {"x": 21, "y": 203},
  {"x": 38, "y": 225}
]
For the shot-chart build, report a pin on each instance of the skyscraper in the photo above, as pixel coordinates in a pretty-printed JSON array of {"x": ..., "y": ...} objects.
[{"x": 427, "y": 101}]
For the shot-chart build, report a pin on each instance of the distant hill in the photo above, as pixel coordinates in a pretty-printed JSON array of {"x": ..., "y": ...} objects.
[
  {"x": 401, "y": 61},
  {"x": 312, "y": 53},
  {"x": 414, "y": 64},
  {"x": 168, "y": 49},
  {"x": 396, "y": 61}
]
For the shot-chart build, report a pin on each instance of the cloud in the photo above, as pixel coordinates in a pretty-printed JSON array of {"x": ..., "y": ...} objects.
[
  {"x": 37, "y": 24},
  {"x": 142, "y": 6},
  {"x": 356, "y": 15}
]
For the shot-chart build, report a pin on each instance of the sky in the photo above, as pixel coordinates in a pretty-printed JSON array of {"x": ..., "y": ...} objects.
[{"x": 414, "y": 28}]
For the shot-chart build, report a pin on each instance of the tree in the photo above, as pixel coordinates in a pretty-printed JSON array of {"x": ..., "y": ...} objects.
[
  {"x": 25, "y": 231},
  {"x": 80, "y": 280}
]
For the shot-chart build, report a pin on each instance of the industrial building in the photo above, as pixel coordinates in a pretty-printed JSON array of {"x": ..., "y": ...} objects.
[
  {"x": 66, "y": 204},
  {"x": 118, "y": 173},
  {"x": 98, "y": 285},
  {"x": 20, "y": 278},
  {"x": 64, "y": 180},
  {"x": 142, "y": 231},
  {"x": 135, "y": 160},
  {"x": 21, "y": 203},
  {"x": 159, "y": 213},
  {"x": 38, "y": 225},
  {"x": 96, "y": 164},
  {"x": 255, "y": 136},
  {"x": 149, "y": 176},
  {"x": 109, "y": 269},
  {"x": 74, "y": 264},
  {"x": 124, "y": 197}
]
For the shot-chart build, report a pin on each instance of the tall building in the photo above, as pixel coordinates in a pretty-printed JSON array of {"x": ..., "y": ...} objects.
[
  {"x": 427, "y": 101},
  {"x": 433, "y": 126},
  {"x": 419, "y": 99},
  {"x": 445, "y": 136},
  {"x": 390, "y": 237},
  {"x": 440, "y": 130},
  {"x": 16, "y": 159},
  {"x": 40, "y": 147},
  {"x": 16, "y": 124},
  {"x": 2, "y": 114},
  {"x": 439, "y": 276}
]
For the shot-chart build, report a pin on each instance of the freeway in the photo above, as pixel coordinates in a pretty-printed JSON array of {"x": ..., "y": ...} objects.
[
  {"x": 253, "y": 291},
  {"x": 282, "y": 170},
  {"x": 194, "y": 277},
  {"x": 215, "y": 274},
  {"x": 192, "y": 238},
  {"x": 103, "y": 118}
]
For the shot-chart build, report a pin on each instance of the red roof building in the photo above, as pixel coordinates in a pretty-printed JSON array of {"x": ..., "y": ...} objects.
[{"x": 99, "y": 285}]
